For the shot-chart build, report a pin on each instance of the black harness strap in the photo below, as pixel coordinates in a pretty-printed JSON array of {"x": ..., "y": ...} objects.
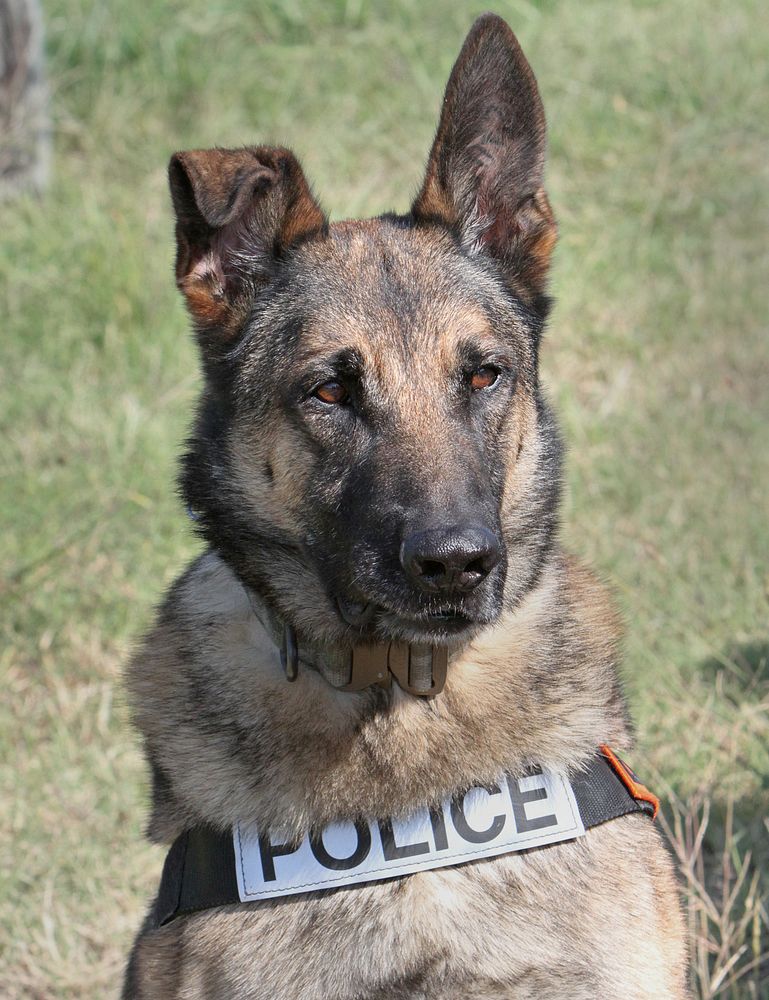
[
  {"x": 602, "y": 795},
  {"x": 198, "y": 874},
  {"x": 199, "y": 870}
]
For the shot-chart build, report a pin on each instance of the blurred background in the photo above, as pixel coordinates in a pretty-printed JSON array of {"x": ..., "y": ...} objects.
[{"x": 656, "y": 357}]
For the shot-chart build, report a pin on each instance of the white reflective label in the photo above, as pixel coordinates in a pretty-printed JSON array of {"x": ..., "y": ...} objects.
[{"x": 511, "y": 815}]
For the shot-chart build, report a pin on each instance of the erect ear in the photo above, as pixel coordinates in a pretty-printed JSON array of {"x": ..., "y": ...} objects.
[
  {"x": 237, "y": 211},
  {"x": 484, "y": 175}
]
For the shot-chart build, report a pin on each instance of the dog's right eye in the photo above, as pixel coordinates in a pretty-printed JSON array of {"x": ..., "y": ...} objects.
[{"x": 333, "y": 393}]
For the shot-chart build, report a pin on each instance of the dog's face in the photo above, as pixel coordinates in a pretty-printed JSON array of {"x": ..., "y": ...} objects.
[{"x": 372, "y": 450}]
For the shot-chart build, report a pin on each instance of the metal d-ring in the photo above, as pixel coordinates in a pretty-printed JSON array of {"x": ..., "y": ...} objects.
[{"x": 289, "y": 655}]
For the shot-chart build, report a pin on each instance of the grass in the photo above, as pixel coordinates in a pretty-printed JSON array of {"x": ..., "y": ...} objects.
[{"x": 656, "y": 356}]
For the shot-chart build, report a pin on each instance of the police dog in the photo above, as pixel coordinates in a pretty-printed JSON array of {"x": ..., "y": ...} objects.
[{"x": 374, "y": 463}]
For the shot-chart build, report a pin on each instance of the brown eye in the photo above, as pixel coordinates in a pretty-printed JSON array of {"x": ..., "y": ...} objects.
[
  {"x": 331, "y": 393},
  {"x": 483, "y": 378}
]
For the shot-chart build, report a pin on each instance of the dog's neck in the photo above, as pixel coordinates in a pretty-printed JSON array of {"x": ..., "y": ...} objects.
[
  {"x": 539, "y": 687},
  {"x": 417, "y": 668}
]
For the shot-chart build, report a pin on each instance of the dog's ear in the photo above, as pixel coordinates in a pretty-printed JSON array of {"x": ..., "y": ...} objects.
[
  {"x": 237, "y": 212},
  {"x": 484, "y": 174}
]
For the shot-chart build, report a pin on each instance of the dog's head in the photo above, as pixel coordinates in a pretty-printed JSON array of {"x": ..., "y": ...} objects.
[{"x": 372, "y": 452}]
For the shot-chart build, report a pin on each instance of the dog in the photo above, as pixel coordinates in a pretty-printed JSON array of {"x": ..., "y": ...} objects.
[{"x": 384, "y": 625}]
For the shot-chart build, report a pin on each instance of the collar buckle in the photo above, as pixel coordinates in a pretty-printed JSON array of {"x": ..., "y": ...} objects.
[
  {"x": 420, "y": 670},
  {"x": 368, "y": 666},
  {"x": 289, "y": 653}
]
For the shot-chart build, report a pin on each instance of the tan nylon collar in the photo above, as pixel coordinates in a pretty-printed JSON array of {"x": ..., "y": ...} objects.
[{"x": 418, "y": 669}]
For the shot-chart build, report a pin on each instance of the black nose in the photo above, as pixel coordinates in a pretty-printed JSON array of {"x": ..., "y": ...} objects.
[{"x": 455, "y": 558}]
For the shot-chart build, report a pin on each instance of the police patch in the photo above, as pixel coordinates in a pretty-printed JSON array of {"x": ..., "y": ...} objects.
[{"x": 511, "y": 815}]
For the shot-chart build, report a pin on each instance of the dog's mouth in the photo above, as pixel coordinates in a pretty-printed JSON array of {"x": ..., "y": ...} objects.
[{"x": 425, "y": 626}]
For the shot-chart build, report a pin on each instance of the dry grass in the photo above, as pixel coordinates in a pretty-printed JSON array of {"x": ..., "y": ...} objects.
[
  {"x": 726, "y": 906},
  {"x": 656, "y": 356}
]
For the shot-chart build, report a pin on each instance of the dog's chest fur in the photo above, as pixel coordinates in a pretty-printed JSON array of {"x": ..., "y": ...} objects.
[
  {"x": 230, "y": 739},
  {"x": 509, "y": 927}
]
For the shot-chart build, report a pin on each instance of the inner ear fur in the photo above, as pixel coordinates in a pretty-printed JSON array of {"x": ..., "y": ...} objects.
[
  {"x": 237, "y": 212},
  {"x": 484, "y": 175}
]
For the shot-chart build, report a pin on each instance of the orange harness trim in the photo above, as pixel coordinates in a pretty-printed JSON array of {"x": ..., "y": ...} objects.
[{"x": 629, "y": 780}]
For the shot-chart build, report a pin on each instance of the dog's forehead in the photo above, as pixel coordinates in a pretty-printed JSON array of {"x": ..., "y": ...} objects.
[{"x": 386, "y": 283}]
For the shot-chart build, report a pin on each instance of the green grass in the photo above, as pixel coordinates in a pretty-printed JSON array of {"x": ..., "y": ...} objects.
[{"x": 657, "y": 357}]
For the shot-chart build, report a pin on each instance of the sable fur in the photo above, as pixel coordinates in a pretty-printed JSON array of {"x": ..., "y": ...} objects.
[{"x": 300, "y": 504}]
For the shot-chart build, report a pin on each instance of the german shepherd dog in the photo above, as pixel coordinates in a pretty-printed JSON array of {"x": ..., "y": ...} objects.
[{"x": 374, "y": 467}]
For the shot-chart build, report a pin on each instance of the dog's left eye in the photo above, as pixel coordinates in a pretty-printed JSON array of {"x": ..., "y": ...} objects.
[
  {"x": 483, "y": 378},
  {"x": 331, "y": 392}
]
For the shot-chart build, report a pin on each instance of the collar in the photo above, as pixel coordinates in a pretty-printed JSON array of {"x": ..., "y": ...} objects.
[
  {"x": 200, "y": 871},
  {"x": 417, "y": 668}
]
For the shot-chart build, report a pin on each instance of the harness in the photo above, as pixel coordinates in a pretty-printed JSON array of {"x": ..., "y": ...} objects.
[{"x": 207, "y": 868}]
